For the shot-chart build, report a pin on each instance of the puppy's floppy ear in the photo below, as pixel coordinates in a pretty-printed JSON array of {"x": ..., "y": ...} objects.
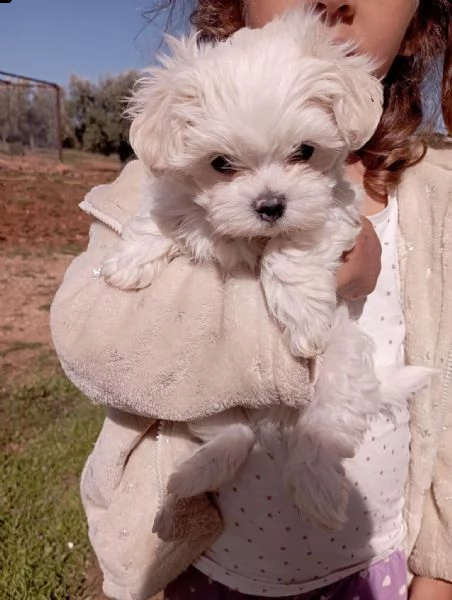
[
  {"x": 161, "y": 104},
  {"x": 357, "y": 104},
  {"x": 342, "y": 77}
]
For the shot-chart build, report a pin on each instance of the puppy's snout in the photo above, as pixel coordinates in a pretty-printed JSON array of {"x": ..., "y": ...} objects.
[{"x": 270, "y": 208}]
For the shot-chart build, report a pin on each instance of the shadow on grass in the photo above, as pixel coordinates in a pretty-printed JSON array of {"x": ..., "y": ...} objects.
[{"x": 47, "y": 431}]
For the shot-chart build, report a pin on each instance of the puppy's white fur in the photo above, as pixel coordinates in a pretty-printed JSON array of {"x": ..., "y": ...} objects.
[{"x": 255, "y": 99}]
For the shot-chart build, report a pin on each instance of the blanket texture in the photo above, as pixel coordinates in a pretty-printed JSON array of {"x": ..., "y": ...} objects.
[{"x": 194, "y": 343}]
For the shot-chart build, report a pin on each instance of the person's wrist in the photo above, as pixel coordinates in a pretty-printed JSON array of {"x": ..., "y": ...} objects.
[{"x": 426, "y": 588}]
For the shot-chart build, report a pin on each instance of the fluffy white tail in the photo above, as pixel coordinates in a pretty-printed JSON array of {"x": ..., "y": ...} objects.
[{"x": 397, "y": 383}]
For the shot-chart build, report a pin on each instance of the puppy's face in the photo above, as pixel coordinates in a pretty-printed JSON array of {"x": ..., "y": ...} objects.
[
  {"x": 264, "y": 172},
  {"x": 257, "y": 127}
]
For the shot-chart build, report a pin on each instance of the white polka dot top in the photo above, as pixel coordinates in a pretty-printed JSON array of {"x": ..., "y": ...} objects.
[{"x": 267, "y": 548}]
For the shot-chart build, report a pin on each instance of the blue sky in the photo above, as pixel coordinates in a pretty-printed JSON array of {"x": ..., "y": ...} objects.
[{"x": 50, "y": 39}]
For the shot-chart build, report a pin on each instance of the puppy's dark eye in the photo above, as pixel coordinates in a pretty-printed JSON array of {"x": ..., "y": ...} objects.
[
  {"x": 222, "y": 164},
  {"x": 302, "y": 154}
]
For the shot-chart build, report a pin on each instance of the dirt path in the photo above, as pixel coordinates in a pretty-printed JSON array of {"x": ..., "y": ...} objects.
[
  {"x": 27, "y": 286},
  {"x": 41, "y": 229},
  {"x": 39, "y": 204}
]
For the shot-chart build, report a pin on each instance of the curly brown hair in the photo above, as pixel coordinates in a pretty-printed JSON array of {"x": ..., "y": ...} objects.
[{"x": 398, "y": 142}]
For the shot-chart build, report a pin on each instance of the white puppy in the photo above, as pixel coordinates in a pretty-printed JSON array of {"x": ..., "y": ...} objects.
[{"x": 246, "y": 141}]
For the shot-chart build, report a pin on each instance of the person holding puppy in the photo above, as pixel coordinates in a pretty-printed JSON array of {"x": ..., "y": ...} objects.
[{"x": 130, "y": 349}]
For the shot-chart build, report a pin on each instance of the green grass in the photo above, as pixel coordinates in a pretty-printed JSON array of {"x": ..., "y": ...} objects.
[
  {"x": 47, "y": 431},
  {"x": 71, "y": 156},
  {"x": 19, "y": 251},
  {"x": 19, "y": 346},
  {"x": 48, "y": 251},
  {"x": 71, "y": 248},
  {"x": 23, "y": 201}
]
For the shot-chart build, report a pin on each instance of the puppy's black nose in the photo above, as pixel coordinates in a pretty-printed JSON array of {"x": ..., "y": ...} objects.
[{"x": 270, "y": 208}]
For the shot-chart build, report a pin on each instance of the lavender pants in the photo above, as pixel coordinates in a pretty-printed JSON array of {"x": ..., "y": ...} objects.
[{"x": 385, "y": 580}]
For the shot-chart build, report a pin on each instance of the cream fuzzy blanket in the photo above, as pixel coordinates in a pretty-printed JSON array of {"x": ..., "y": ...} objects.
[
  {"x": 145, "y": 353},
  {"x": 197, "y": 343}
]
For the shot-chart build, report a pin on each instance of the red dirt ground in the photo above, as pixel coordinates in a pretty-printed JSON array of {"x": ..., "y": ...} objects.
[
  {"x": 41, "y": 229},
  {"x": 38, "y": 202}
]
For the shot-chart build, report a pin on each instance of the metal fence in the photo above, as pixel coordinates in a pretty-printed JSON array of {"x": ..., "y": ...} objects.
[{"x": 30, "y": 115}]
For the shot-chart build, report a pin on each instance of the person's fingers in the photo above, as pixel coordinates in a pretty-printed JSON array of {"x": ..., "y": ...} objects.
[{"x": 358, "y": 274}]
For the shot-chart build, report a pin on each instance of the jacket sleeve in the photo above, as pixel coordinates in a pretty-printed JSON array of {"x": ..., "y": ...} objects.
[{"x": 432, "y": 553}]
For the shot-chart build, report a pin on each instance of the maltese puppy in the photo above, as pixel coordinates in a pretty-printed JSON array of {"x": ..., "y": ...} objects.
[{"x": 246, "y": 141}]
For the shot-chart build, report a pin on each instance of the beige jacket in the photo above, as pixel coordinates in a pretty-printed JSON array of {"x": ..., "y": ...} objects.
[{"x": 193, "y": 344}]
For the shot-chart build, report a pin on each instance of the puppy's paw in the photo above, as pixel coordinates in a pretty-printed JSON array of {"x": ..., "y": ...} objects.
[
  {"x": 136, "y": 260},
  {"x": 309, "y": 340},
  {"x": 178, "y": 519},
  {"x": 120, "y": 272},
  {"x": 214, "y": 464},
  {"x": 164, "y": 521},
  {"x": 320, "y": 492}
]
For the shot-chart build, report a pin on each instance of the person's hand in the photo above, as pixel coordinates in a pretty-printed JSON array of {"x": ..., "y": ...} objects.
[
  {"x": 424, "y": 588},
  {"x": 358, "y": 274}
]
